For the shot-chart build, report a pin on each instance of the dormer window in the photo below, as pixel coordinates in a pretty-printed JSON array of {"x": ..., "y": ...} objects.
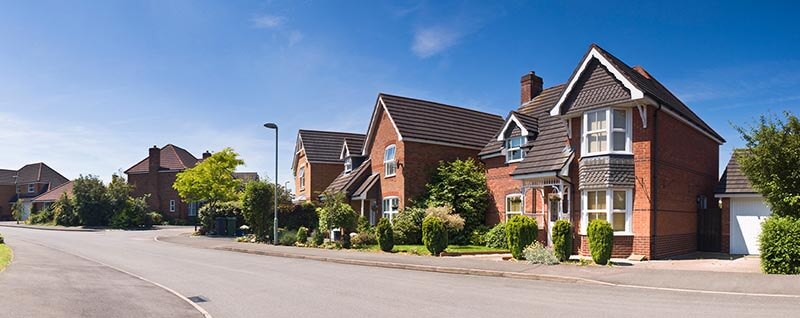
[
  {"x": 606, "y": 131},
  {"x": 514, "y": 152},
  {"x": 348, "y": 165}
]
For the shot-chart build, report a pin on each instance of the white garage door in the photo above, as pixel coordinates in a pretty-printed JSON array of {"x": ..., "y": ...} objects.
[{"x": 747, "y": 214}]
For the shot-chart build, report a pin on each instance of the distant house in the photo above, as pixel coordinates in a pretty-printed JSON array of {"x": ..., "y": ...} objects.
[
  {"x": 743, "y": 210},
  {"x": 26, "y": 184},
  {"x": 155, "y": 175},
  {"x": 48, "y": 198},
  {"x": 318, "y": 160}
]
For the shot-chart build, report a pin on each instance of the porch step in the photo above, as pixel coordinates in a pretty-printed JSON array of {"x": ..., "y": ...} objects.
[{"x": 637, "y": 258}]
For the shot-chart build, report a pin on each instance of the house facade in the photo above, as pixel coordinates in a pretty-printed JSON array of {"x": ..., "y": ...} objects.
[
  {"x": 612, "y": 143},
  {"x": 24, "y": 185},
  {"x": 743, "y": 210},
  {"x": 319, "y": 159},
  {"x": 46, "y": 199}
]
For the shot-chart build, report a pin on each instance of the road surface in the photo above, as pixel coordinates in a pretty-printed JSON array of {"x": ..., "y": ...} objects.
[{"x": 242, "y": 285}]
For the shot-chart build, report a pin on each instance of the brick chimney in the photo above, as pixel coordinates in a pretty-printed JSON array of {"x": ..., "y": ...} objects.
[
  {"x": 155, "y": 159},
  {"x": 206, "y": 155},
  {"x": 531, "y": 87}
]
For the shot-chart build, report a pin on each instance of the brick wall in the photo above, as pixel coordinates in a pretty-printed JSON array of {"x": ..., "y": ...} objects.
[
  {"x": 159, "y": 186},
  {"x": 302, "y": 189},
  {"x": 500, "y": 184},
  {"x": 623, "y": 246},
  {"x": 386, "y": 135},
  {"x": 421, "y": 161},
  {"x": 319, "y": 176},
  {"x": 7, "y": 192}
]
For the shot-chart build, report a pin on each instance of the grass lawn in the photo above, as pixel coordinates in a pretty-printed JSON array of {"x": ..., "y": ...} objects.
[
  {"x": 5, "y": 256},
  {"x": 421, "y": 250}
]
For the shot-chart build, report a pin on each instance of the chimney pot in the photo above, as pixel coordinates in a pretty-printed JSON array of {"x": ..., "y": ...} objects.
[{"x": 531, "y": 86}]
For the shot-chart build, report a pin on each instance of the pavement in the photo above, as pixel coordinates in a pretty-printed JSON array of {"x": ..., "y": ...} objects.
[
  {"x": 235, "y": 284},
  {"x": 688, "y": 276}
]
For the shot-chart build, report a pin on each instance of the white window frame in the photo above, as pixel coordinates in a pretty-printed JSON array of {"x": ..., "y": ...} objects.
[
  {"x": 609, "y": 210},
  {"x": 390, "y": 211},
  {"x": 348, "y": 164},
  {"x": 510, "y": 214},
  {"x": 510, "y": 149},
  {"x": 609, "y": 130},
  {"x": 172, "y": 205},
  {"x": 390, "y": 162},
  {"x": 302, "y": 178},
  {"x": 31, "y": 188},
  {"x": 193, "y": 207}
]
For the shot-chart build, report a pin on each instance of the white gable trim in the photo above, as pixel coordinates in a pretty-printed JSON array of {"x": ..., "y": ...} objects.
[
  {"x": 594, "y": 53},
  {"x": 299, "y": 147},
  {"x": 514, "y": 119},
  {"x": 345, "y": 151},
  {"x": 373, "y": 124}
]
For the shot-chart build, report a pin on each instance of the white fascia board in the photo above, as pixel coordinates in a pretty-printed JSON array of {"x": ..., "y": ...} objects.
[
  {"x": 636, "y": 93},
  {"x": 535, "y": 175},
  {"x": 515, "y": 120}
]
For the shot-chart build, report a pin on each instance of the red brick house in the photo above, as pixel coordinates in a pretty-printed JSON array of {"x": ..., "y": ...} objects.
[
  {"x": 319, "y": 157},
  {"x": 612, "y": 143},
  {"x": 25, "y": 184},
  {"x": 405, "y": 141},
  {"x": 48, "y": 198}
]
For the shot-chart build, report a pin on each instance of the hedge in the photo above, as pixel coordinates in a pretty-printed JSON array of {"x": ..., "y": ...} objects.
[
  {"x": 601, "y": 241},
  {"x": 434, "y": 235},
  {"x": 780, "y": 250},
  {"x": 521, "y": 231},
  {"x": 385, "y": 235},
  {"x": 562, "y": 240}
]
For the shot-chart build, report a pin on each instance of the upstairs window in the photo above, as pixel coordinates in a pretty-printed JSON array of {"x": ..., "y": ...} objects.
[
  {"x": 302, "y": 178},
  {"x": 348, "y": 165},
  {"x": 606, "y": 131},
  {"x": 31, "y": 188},
  {"x": 389, "y": 162},
  {"x": 514, "y": 150}
]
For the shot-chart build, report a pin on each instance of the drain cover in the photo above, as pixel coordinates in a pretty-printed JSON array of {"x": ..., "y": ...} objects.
[{"x": 198, "y": 299}]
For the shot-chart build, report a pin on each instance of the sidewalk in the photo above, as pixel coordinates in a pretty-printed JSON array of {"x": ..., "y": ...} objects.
[
  {"x": 49, "y": 227},
  {"x": 624, "y": 276}
]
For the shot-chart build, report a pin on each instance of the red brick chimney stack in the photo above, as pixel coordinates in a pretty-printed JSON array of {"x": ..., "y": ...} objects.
[
  {"x": 532, "y": 86},
  {"x": 155, "y": 159}
]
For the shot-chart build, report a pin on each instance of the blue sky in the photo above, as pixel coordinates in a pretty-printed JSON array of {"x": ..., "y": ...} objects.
[{"x": 88, "y": 86}]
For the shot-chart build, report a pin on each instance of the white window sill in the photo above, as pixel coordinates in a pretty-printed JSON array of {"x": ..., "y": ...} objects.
[
  {"x": 606, "y": 153},
  {"x": 390, "y": 176},
  {"x": 514, "y": 161}
]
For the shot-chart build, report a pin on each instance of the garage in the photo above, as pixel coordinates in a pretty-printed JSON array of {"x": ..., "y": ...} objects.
[{"x": 747, "y": 214}]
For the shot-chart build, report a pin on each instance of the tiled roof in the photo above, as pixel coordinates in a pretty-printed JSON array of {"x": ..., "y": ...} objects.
[
  {"x": 596, "y": 87},
  {"x": 355, "y": 144},
  {"x": 326, "y": 146},
  {"x": 7, "y": 176},
  {"x": 172, "y": 158},
  {"x": 604, "y": 172},
  {"x": 529, "y": 122},
  {"x": 647, "y": 83},
  {"x": 436, "y": 122},
  {"x": 246, "y": 176},
  {"x": 55, "y": 193},
  {"x": 733, "y": 179},
  {"x": 345, "y": 182},
  {"x": 549, "y": 150},
  {"x": 367, "y": 185}
]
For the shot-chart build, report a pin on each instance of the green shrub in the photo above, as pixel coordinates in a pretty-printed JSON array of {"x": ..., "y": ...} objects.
[
  {"x": 780, "y": 250},
  {"x": 286, "y": 237},
  {"x": 461, "y": 184},
  {"x": 496, "y": 237},
  {"x": 601, "y": 241},
  {"x": 45, "y": 216},
  {"x": 521, "y": 231},
  {"x": 302, "y": 235},
  {"x": 257, "y": 207},
  {"x": 408, "y": 226},
  {"x": 364, "y": 239},
  {"x": 536, "y": 253},
  {"x": 91, "y": 201},
  {"x": 318, "y": 237},
  {"x": 299, "y": 215},
  {"x": 478, "y": 235},
  {"x": 336, "y": 213},
  {"x": 155, "y": 217},
  {"x": 363, "y": 225},
  {"x": 132, "y": 213},
  {"x": 385, "y": 235},
  {"x": 64, "y": 212},
  {"x": 562, "y": 240},
  {"x": 434, "y": 234},
  {"x": 2, "y": 240}
]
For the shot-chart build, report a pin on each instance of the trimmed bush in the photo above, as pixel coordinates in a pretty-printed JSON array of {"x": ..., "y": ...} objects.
[
  {"x": 318, "y": 237},
  {"x": 64, "y": 212},
  {"x": 363, "y": 239},
  {"x": 601, "y": 240},
  {"x": 434, "y": 234},
  {"x": 536, "y": 253},
  {"x": 496, "y": 237},
  {"x": 385, "y": 235},
  {"x": 408, "y": 226},
  {"x": 562, "y": 240},
  {"x": 780, "y": 250},
  {"x": 521, "y": 231},
  {"x": 155, "y": 217},
  {"x": 287, "y": 238},
  {"x": 302, "y": 235}
]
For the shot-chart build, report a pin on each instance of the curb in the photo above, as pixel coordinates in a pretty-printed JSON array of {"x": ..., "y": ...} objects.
[
  {"x": 477, "y": 272},
  {"x": 54, "y": 228}
]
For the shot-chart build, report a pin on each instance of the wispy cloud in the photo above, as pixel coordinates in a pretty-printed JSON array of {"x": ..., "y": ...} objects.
[
  {"x": 269, "y": 21},
  {"x": 430, "y": 41}
]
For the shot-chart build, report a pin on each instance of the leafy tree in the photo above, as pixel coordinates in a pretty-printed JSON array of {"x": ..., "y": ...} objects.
[
  {"x": 17, "y": 209},
  {"x": 119, "y": 193},
  {"x": 771, "y": 160},
  {"x": 64, "y": 211},
  {"x": 336, "y": 213},
  {"x": 91, "y": 201},
  {"x": 462, "y": 185},
  {"x": 132, "y": 213},
  {"x": 257, "y": 207},
  {"x": 211, "y": 180}
]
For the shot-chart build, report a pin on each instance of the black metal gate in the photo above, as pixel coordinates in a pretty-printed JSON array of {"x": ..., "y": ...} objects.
[{"x": 709, "y": 224}]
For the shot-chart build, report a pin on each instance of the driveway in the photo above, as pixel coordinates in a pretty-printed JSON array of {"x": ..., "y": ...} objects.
[{"x": 244, "y": 285}]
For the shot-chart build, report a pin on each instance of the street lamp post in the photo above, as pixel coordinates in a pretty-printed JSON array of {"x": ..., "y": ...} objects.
[{"x": 275, "y": 194}]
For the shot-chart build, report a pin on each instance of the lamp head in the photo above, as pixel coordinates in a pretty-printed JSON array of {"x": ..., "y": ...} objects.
[{"x": 271, "y": 125}]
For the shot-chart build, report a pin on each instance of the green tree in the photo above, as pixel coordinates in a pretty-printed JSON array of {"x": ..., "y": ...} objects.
[
  {"x": 211, "y": 180},
  {"x": 257, "y": 207},
  {"x": 91, "y": 201},
  {"x": 132, "y": 213},
  {"x": 771, "y": 160},
  {"x": 461, "y": 184},
  {"x": 336, "y": 213},
  {"x": 17, "y": 209},
  {"x": 119, "y": 193},
  {"x": 64, "y": 211}
]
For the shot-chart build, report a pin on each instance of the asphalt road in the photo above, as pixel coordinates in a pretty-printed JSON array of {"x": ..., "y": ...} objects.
[{"x": 244, "y": 285}]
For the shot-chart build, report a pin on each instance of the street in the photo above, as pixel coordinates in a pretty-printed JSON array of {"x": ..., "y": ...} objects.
[{"x": 244, "y": 285}]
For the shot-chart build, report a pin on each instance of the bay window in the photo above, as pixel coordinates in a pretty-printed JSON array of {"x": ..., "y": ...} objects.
[
  {"x": 606, "y": 131},
  {"x": 513, "y": 205},
  {"x": 514, "y": 151},
  {"x": 612, "y": 205},
  {"x": 390, "y": 207},
  {"x": 389, "y": 162}
]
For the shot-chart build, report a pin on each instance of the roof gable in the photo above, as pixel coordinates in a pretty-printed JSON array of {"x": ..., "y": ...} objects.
[
  {"x": 39, "y": 172},
  {"x": 324, "y": 146},
  {"x": 171, "y": 157},
  {"x": 733, "y": 180},
  {"x": 596, "y": 87},
  {"x": 55, "y": 193}
]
